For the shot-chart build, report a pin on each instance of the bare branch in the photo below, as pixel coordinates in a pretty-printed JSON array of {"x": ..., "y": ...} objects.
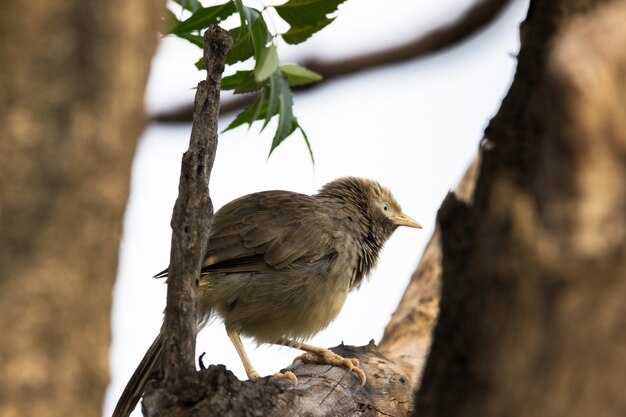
[
  {"x": 191, "y": 218},
  {"x": 322, "y": 390}
]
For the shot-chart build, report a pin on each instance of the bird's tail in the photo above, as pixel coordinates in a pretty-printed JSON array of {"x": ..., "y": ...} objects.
[{"x": 136, "y": 385}]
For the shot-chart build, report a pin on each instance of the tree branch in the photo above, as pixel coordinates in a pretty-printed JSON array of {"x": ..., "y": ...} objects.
[
  {"x": 476, "y": 18},
  {"x": 191, "y": 220},
  {"x": 408, "y": 334},
  {"x": 322, "y": 390}
]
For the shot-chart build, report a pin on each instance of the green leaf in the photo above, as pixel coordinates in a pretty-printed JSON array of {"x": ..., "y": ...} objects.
[
  {"x": 267, "y": 64},
  {"x": 204, "y": 17},
  {"x": 252, "y": 20},
  {"x": 191, "y": 5},
  {"x": 247, "y": 15},
  {"x": 285, "y": 112},
  {"x": 297, "y": 75},
  {"x": 256, "y": 111},
  {"x": 296, "y": 125},
  {"x": 232, "y": 81},
  {"x": 272, "y": 102},
  {"x": 265, "y": 107},
  {"x": 200, "y": 64},
  {"x": 299, "y": 34},
  {"x": 260, "y": 37},
  {"x": 242, "y": 46},
  {"x": 305, "y": 17},
  {"x": 244, "y": 14},
  {"x": 170, "y": 21},
  {"x": 248, "y": 86},
  {"x": 241, "y": 82},
  {"x": 306, "y": 12},
  {"x": 195, "y": 39},
  {"x": 260, "y": 109}
]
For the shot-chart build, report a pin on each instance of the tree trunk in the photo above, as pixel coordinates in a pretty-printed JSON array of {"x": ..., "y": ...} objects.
[
  {"x": 72, "y": 84},
  {"x": 532, "y": 315}
]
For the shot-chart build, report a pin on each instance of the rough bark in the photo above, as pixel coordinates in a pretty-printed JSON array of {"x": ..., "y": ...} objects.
[
  {"x": 408, "y": 335},
  {"x": 192, "y": 215},
  {"x": 532, "y": 312},
  {"x": 72, "y": 85},
  {"x": 191, "y": 222},
  {"x": 322, "y": 391}
]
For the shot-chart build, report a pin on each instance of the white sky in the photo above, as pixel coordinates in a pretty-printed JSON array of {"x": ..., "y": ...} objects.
[{"x": 413, "y": 127}]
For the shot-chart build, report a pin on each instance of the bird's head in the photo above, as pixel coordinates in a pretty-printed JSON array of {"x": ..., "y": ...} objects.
[
  {"x": 371, "y": 212},
  {"x": 373, "y": 205}
]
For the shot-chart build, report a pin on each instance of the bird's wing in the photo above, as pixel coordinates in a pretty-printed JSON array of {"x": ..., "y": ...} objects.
[
  {"x": 271, "y": 229},
  {"x": 275, "y": 229}
]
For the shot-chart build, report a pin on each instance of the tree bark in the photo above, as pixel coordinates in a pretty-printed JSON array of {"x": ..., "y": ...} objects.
[
  {"x": 408, "y": 335},
  {"x": 191, "y": 224},
  {"x": 72, "y": 85},
  {"x": 322, "y": 390},
  {"x": 532, "y": 312}
]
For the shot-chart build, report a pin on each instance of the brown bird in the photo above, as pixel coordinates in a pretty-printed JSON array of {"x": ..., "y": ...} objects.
[{"x": 279, "y": 266}]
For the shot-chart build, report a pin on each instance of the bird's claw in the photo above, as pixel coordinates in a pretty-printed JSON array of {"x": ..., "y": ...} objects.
[
  {"x": 329, "y": 358},
  {"x": 287, "y": 375}
]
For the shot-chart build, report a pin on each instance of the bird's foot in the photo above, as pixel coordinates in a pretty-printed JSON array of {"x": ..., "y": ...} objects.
[
  {"x": 288, "y": 375},
  {"x": 253, "y": 375},
  {"x": 326, "y": 357}
]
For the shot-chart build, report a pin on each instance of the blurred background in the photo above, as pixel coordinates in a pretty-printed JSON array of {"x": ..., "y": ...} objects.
[{"x": 414, "y": 126}]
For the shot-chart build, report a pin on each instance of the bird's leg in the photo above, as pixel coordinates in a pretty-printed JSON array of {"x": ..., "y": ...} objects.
[
  {"x": 234, "y": 337},
  {"x": 320, "y": 355}
]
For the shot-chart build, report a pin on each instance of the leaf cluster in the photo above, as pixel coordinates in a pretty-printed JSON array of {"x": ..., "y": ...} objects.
[{"x": 253, "y": 41}]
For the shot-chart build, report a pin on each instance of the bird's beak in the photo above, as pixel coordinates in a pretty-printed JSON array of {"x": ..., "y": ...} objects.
[{"x": 404, "y": 220}]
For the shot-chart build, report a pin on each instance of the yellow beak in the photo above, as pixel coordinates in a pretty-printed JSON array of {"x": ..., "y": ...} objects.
[{"x": 404, "y": 220}]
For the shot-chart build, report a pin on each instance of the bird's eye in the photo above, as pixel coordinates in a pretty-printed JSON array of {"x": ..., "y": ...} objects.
[{"x": 385, "y": 207}]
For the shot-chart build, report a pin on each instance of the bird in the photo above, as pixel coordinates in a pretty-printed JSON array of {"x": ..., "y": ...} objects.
[{"x": 279, "y": 266}]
